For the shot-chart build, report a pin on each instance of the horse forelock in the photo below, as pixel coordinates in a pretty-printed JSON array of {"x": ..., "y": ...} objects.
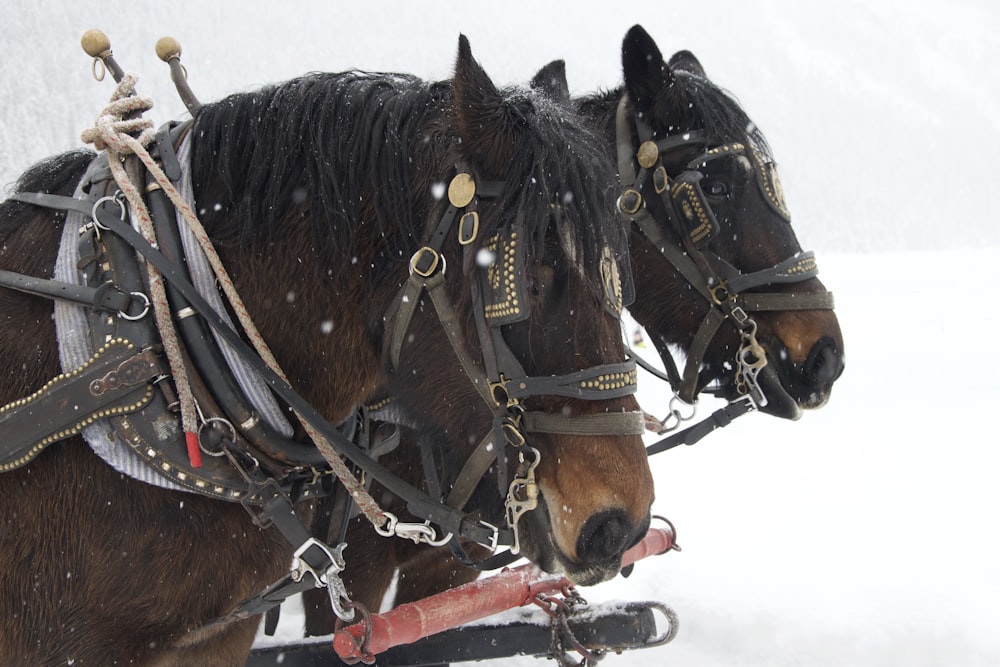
[
  {"x": 560, "y": 173},
  {"x": 705, "y": 106}
]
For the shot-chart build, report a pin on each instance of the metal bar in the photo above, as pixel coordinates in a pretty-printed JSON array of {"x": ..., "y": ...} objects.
[{"x": 510, "y": 589}]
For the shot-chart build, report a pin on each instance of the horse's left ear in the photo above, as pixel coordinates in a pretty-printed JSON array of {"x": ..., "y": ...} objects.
[
  {"x": 551, "y": 82},
  {"x": 643, "y": 68},
  {"x": 486, "y": 123},
  {"x": 685, "y": 61}
]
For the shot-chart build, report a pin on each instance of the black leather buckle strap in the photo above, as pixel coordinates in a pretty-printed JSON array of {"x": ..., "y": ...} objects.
[
  {"x": 718, "y": 419},
  {"x": 108, "y": 298},
  {"x": 421, "y": 504}
]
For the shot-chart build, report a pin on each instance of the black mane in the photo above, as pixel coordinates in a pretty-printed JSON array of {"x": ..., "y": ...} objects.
[
  {"x": 353, "y": 149},
  {"x": 307, "y": 147},
  {"x": 717, "y": 112}
]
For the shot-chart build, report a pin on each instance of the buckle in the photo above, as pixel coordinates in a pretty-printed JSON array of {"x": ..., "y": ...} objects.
[
  {"x": 425, "y": 262},
  {"x": 720, "y": 294},
  {"x": 468, "y": 228},
  {"x": 630, "y": 201}
]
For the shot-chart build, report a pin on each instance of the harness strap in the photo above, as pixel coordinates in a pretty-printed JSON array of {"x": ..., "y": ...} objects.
[
  {"x": 540, "y": 422},
  {"x": 207, "y": 357},
  {"x": 418, "y": 502},
  {"x": 629, "y": 423},
  {"x": 718, "y": 419},
  {"x": 108, "y": 298}
]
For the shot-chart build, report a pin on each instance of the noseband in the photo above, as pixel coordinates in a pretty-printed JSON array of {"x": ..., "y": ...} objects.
[{"x": 686, "y": 214}]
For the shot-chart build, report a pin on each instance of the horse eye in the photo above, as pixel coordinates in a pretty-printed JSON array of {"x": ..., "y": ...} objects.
[{"x": 714, "y": 188}]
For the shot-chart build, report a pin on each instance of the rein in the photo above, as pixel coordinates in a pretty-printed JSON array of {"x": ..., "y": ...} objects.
[{"x": 687, "y": 215}]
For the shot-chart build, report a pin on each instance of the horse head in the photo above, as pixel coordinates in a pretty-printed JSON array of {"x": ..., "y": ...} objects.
[
  {"x": 530, "y": 370},
  {"x": 713, "y": 241}
]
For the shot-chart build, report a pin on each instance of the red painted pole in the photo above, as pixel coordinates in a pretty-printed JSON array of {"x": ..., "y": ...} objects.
[{"x": 509, "y": 589}]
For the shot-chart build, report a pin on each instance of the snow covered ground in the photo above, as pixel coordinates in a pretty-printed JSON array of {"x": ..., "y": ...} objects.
[{"x": 861, "y": 535}]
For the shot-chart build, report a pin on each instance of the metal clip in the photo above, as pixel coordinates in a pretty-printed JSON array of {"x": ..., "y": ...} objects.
[
  {"x": 418, "y": 533},
  {"x": 328, "y": 579}
]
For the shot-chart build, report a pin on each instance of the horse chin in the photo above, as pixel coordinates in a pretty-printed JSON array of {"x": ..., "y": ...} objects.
[{"x": 539, "y": 546}]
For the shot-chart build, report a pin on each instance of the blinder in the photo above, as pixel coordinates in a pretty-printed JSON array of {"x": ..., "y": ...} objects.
[{"x": 505, "y": 299}]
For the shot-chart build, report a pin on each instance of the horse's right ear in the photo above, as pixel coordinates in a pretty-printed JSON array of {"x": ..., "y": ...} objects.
[
  {"x": 551, "y": 82},
  {"x": 486, "y": 125},
  {"x": 643, "y": 68}
]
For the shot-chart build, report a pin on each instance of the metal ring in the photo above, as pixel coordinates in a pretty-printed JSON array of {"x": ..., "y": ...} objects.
[
  {"x": 678, "y": 400},
  {"x": 99, "y": 202},
  {"x": 145, "y": 308},
  {"x": 205, "y": 423},
  {"x": 93, "y": 69}
]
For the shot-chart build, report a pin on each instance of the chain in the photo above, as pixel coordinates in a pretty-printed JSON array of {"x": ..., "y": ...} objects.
[
  {"x": 363, "y": 648},
  {"x": 563, "y": 640}
]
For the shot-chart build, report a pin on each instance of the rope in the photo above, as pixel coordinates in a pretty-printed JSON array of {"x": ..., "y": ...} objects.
[{"x": 111, "y": 133}]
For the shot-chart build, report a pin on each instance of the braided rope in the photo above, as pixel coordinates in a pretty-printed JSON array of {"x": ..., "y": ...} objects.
[
  {"x": 109, "y": 134},
  {"x": 112, "y": 133}
]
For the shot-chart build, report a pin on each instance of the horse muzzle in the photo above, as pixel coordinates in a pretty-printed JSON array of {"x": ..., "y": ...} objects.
[
  {"x": 595, "y": 549},
  {"x": 792, "y": 387}
]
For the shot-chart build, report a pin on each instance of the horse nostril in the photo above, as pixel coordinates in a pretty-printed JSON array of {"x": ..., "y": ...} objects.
[
  {"x": 824, "y": 364},
  {"x": 603, "y": 537}
]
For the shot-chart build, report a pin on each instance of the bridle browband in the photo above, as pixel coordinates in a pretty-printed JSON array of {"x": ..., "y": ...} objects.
[{"x": 681, "y": 211}]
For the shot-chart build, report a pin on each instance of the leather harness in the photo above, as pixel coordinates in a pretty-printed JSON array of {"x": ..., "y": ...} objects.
[
  {"x": 666, "y": 207},
  {"x": 110, "y": 247}
]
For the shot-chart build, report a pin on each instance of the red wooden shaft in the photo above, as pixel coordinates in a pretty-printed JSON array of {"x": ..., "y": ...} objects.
[{"x": 509, "y": 589}]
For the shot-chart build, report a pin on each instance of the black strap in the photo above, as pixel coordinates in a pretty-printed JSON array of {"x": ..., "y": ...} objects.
[
  {"x": 689, "y": 436},
  {"x": 108, "y": 298},
  {"x": 418, "y": 502}
]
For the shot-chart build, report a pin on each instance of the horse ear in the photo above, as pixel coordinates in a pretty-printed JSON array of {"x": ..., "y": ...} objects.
[
  {"x": 643, "y": 68},
  {"x": 685, "y": 61},
  {"x": 551, "y": 82},
  {"x": 485, "y": 124}
]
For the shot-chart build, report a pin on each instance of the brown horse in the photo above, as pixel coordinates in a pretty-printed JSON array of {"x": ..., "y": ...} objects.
[
  {"x": 797, "y": 332},
  {"x": 724, "y": 209},
  {"x": 325, "y": 197}
]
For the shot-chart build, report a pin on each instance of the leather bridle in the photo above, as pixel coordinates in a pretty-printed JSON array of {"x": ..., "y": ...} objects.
[
  {"x": 498, "y": 376},
  {"x": 673, "y": 213}
]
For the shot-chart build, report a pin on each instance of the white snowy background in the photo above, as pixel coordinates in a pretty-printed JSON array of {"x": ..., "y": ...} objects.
[{"x": 863, "y": 534}]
